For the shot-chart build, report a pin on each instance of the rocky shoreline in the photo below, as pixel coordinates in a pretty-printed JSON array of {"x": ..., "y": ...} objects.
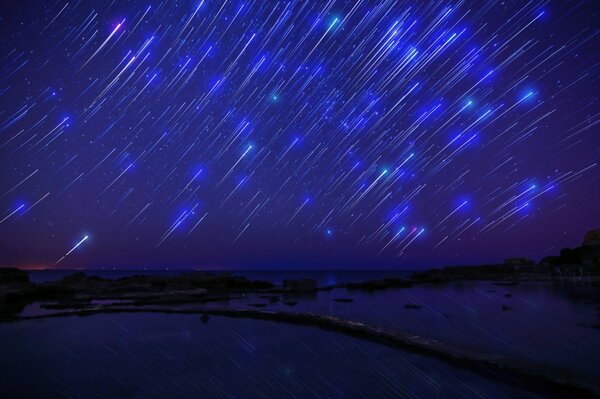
[
  {"x": 15, "y": 286},
  {"x": 77, "y": 291},
  {"x": 83, "y": 295},
  {"x": 580, "y": 262}
]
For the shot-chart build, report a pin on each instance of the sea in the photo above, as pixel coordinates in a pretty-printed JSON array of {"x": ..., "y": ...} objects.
[{"x": 149, "y": 355}]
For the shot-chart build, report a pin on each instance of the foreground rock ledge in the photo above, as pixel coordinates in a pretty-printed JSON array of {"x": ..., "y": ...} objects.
[{"x": 533, "y": 376}]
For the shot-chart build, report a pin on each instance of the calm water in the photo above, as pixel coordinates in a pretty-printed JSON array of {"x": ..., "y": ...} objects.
[
  {"x": 157, "y": 356},
  {"x": 549, "y": 323},
  {"x": 553, "y": 323}
]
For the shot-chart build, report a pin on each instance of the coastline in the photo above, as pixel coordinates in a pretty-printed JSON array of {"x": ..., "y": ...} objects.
[{"x": 204, "y": 293}]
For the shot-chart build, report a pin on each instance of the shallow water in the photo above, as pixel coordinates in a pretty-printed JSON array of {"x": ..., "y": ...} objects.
[
  {"x": 158, "y": 355},
  {"x": 554, "y": 323},
  {"x": 549, "y": 322}
]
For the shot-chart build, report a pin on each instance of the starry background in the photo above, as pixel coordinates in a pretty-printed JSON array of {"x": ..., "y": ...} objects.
[{"x": 309, "y": 134}]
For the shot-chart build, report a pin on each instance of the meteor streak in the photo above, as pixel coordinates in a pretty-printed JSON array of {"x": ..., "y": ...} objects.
[{"x": 71, "y": 250}]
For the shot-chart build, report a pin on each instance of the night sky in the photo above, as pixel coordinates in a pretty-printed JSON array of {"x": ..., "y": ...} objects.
[{"x": 286, "y": 134}]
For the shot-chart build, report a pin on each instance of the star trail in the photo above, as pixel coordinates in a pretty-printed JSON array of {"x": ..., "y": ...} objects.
[{"x": 228, "y": 132}]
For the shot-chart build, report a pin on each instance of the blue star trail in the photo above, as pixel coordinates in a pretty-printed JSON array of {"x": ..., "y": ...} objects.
[{"x": 228, "y": 132}]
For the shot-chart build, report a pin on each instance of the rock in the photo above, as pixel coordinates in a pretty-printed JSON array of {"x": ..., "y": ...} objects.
[
  {"x": 76, "y": 290},
  {"x": 78, "y": 278},
  {"x": 521, "y": 264},
  {"x": 81, "y": 281},
  {"x": 305, "y": 284},
  {"x": 291, "y": 303},
  {"x": 508, "y": 295},
  {"x": 204, "y": 318},
  {"x": 412, "y": 306},
  {"x": 582, "y": 259},
  {"x": 11, "y": 308},
  {"x": 457, "y": 273},
  {"x": 14, "y": 285},
  {"x": 258, "y": 305},
  {"x": 345, "y": 300},
  {"x": 549, "y": 262},
  {"x": 381, "y": 284},
  {"x": 175, "y": 296},
  {"x": 505, "y": 308},
  {"x": 192, "y": 280},
  {"x": 270, "y": 298},
  {"x": 13, "y": 276},
  {"x": 331, "y": 287},
  {"x": 591, "y": 238},
  {"x": 67, "y": 304}
]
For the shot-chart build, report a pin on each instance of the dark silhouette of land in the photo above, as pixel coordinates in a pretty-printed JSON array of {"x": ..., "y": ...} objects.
[{"x": 82, "y": 295}]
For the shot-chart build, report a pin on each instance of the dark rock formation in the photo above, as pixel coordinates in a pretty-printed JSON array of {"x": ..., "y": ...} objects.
[
  {"x": 193, "y": 282},
  {"x": 455, "y": 273},
  {"x": 591, "y": 239},
  {"x": 582, "y": 259},
  {"x": 12, "y": 276},
  {"x": 519, "y": 262},
  {"x": 305, "y": 284},
  {"x": 75, "y": 291},
  {"x": 381, "y": 284},
  {"x": 15, "y": 290},
  {"x": 521, "y": 265},
  {"x": 412, "y": 306},
  {"x": 67, "y": 303},
  {"x": 271, "y": 298},
  {"x": 80, "y": 279},
  {"x": 343, "y": 300}
]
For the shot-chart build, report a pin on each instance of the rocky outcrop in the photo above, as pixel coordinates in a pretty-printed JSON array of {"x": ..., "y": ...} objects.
[
  {"x": 13, "y": 284},
  {"x": 455, "y": 273},
  {"x": 12, "y": 276},
  {"x": 76, "y": 291},
  {"x": 305, "y": 284},
  {"x": 521, "y": 264},
  {"x": 582, "y": 259},
  {"x": 591, "y": 239},
  {"x": 168, "y": 284},
  {"x": 381, "y": 284}
]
